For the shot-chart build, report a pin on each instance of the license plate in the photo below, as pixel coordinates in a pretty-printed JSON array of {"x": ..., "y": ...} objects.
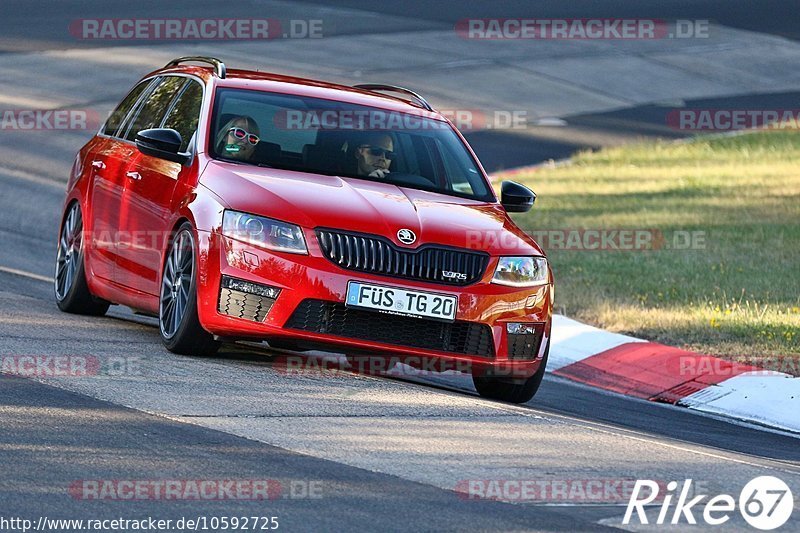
[{"x": 401, "y": 301}]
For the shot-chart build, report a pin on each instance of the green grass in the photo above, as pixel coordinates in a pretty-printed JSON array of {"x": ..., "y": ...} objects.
[{"x": 736, "y": 295}]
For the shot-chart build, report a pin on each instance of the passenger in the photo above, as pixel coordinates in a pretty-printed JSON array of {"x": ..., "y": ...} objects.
[
  {"x": 374, "y": 155},
  {"x": 238, "y": 138}
]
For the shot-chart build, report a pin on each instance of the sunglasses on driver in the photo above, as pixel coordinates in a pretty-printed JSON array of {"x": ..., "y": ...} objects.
[
  {"x": 377, "y": 151},
  {"x": 240, "y": 134}
]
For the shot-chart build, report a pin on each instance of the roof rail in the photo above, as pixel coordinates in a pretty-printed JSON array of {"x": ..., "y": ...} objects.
[
  {"x": 396, "y": 89},
  {"x": 219, "y": 66}
]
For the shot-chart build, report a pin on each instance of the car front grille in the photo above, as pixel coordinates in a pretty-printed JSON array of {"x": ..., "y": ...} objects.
[
  {"x": 333, "y": 318},
  {"x": 377, "y": 255}
]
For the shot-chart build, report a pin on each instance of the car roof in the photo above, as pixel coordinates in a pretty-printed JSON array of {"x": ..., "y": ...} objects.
[{"x": 268, "y": 81}]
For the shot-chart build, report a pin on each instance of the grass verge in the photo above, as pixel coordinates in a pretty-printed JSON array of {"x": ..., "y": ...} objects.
[{"x": 717, "y": 268}]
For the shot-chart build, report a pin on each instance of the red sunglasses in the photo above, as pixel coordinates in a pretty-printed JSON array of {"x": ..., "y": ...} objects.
[{"x": 239, "y": 133}]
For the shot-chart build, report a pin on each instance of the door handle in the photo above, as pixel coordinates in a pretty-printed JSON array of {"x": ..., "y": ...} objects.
[
  {"x": 134, "y": 175},
  {"x": 98, "y": 164}
]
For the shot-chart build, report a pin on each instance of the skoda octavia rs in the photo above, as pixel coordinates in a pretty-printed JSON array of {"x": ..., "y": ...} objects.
[{"x": 241, "y": 205}]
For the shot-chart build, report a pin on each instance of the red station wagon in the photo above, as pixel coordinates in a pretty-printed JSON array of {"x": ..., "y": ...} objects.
[{"x": 241, "y": 205}]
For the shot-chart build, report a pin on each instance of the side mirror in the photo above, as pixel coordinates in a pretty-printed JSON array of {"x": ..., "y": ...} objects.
[
  {"x": 163, "y": 143},
  {"x": 516, "y": 198}
]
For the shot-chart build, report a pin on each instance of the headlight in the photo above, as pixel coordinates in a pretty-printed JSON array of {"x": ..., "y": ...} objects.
[
  {"x": 264, "y": 232},
  {"x": 521, "y": 271}
]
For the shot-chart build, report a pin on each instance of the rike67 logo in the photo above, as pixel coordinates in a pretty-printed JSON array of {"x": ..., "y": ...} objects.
[{"x": 765, "y": 503}]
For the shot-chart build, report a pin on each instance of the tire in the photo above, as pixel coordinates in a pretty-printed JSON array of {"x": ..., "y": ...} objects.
[
  {"x": 178, "y": 322},
  {"x": 71, "y": 290},
  {"x": 511, "y": 390}
]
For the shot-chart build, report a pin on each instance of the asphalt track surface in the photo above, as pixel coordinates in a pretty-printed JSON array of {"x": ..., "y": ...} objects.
[{"x": 388, "y": 453}]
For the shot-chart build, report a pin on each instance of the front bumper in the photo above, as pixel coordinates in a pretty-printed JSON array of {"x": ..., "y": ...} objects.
[{"x": 312, "y": 288}]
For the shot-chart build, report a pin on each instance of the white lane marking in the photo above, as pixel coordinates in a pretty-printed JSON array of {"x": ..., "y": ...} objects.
[
  {"x": 22, "y": 273},
  {"x": 574, "y": 341},
  {"x": 636, "y": 435},
  {"x": 591, "y": 425},
  {"x": 767, "y": 398},
  {"x": 707, "y": 414},
  {"x": 550, "y": 122},
  {"x": 31, "y": 177},
  {"x": 644, "y": 437},
  {"x": 30, "y": 102},
  {"x": 263, "y": 430},
  {"x": 729, "y": 414}
]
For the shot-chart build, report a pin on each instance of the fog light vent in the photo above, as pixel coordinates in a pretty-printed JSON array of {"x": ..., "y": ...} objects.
[
  {"x": 245, "y": 299},
  {"x": 524, "y": 340}
]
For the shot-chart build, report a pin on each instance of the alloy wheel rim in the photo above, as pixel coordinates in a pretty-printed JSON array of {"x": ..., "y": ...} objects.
[
  {"x": 70, "y": 246},
  {"x": 176, "y": 283}
]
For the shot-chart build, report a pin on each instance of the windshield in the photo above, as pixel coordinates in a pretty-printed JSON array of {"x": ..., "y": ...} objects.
[{"x": 337, "y": 138}]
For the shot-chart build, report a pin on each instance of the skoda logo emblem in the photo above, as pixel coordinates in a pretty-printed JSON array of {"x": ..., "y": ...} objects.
[{"x": 406, "y": 236}]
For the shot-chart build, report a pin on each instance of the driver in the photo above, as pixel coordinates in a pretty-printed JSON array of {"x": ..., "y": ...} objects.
[
  {"x": 374, "y": 155},
  {"x": 238, "y": 138}
]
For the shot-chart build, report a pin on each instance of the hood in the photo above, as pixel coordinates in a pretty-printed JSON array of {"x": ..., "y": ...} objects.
[{"x": 363, "y": 206}]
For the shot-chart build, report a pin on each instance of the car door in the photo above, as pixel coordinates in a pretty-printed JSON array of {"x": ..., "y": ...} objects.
[
  {"x": 151, "y": 182},
  {"x": 107, "y": 185}
]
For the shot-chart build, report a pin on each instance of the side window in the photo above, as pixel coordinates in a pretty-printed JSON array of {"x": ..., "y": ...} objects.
[
  {"x": 152, "y": 112},
  {"x": 117, "y": 116},
  {"x": 185, "y": 113}
]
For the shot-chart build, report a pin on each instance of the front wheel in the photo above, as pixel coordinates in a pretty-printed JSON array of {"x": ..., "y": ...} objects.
[
  {"x": 511, "y": 390},
  {"x": 180, "y": 327},
  {"x": 71, "y": 290}
]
